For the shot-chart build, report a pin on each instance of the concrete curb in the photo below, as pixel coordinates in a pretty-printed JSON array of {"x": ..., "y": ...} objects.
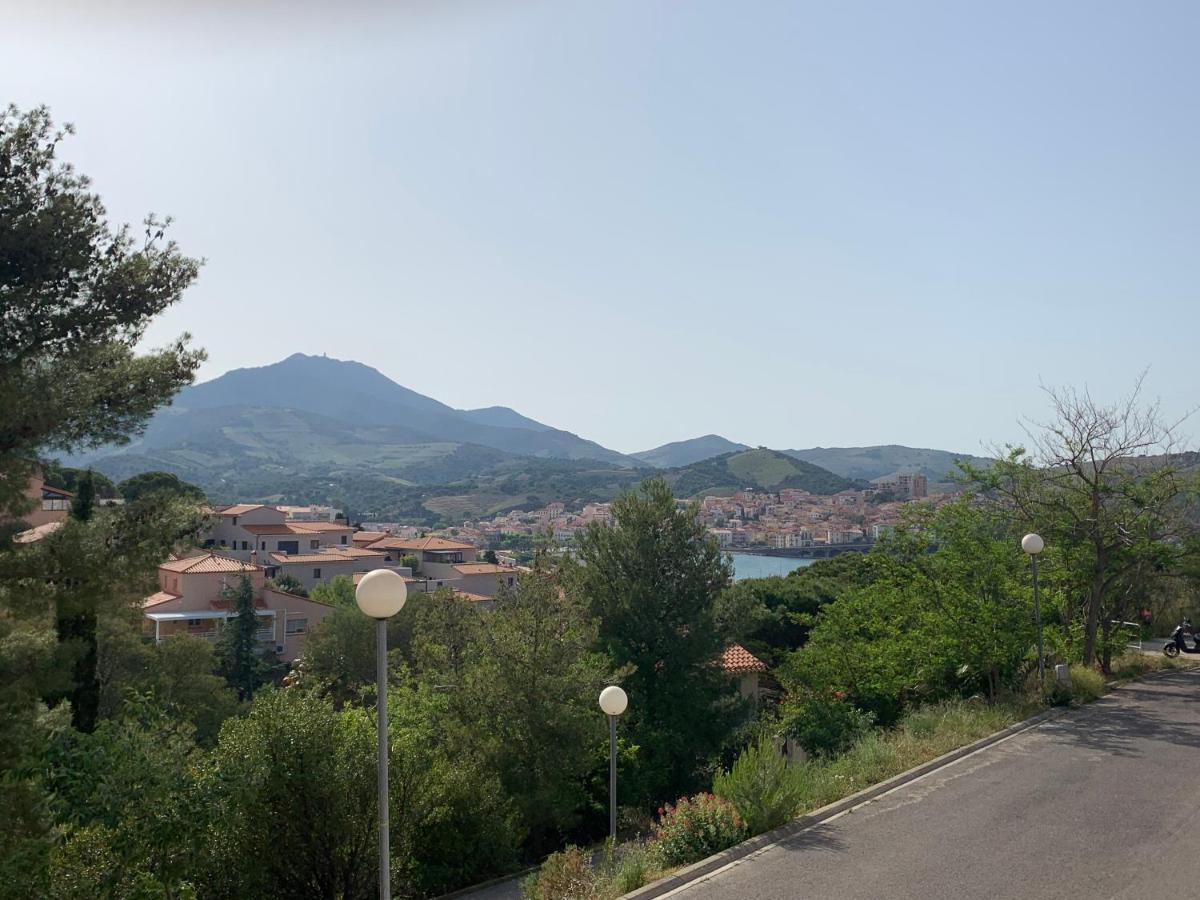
[{"x": 697, "y": 871}]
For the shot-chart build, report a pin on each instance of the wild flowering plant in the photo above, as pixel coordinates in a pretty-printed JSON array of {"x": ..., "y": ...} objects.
[{"x": 696, "y": 827}]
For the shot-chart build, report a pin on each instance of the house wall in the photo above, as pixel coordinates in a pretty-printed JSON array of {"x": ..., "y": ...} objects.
[
  {"x": 38, "y": 516},
  {"x": 199, "y": 589},
  {"x": 226, "y": 532},
  {"x": 292, "y": 608}
]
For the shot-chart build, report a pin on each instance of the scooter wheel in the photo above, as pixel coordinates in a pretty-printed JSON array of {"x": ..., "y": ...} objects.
[{"x": 1171, "y": 650}]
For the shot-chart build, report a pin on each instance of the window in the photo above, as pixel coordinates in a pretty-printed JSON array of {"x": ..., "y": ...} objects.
[
  {"x": 57, "y": 503},
  {"x": 292, "y": 547},
  {"x": 199, "y": 626},
  {"x": 316, "y": 573},
  {"x": 263, "y": 546},
  {"x": 313, "y": 545},
  {"x": 235, "y": 520},
  {"x": 510, "y": 581},
  {"x": 343, "y": 539},
  {"x": 245, "y": 545},
  {"x": 297, "y": 626}
]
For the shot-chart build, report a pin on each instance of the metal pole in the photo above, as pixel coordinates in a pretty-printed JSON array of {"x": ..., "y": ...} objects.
[
  {"x": 385, "y": 877},
  {"x": 612, "y": 778},
  {"x": 1037, "y": 618}
]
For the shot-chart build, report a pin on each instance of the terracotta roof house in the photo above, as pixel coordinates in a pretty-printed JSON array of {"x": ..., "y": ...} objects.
[
  {"x": 738, "y": 662},
  {"x": 192, "y": 600}
]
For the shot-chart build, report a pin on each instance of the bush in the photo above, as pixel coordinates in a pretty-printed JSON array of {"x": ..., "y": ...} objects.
[
  {"x": 1086, "y": 684},
  {"x": 825, "y": 725},
  {"x": 695, "y": 828},
  {"x": 633, "y": 869},
  {"x": 761, "y": 785},
  {"x": 566, "y": 875}
]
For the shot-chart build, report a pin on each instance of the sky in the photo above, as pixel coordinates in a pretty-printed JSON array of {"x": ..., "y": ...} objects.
[{"x": 792, "y": 224}]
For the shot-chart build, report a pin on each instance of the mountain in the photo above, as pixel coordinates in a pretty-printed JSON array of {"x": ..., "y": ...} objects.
[
  {"x": 301, "y": 409},
  {"x": 684, "y": 453},
  {"x": 502, "y": 417},
  {"x": 765, "y": 469},
  {"x": 867, "y": 463}
]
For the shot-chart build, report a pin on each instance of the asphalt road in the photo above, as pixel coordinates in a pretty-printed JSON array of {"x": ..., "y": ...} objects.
[{"x": 1079, "y": 807}]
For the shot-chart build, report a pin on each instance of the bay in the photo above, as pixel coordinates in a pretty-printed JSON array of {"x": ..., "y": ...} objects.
[{"x": 751, "y": 565}]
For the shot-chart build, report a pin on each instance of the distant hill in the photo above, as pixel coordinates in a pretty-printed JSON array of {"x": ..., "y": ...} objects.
[
  {"x": 765, "y": 469},
  {"x": 299, "y": 411},
  {"x": 867, "y": 463},
  {"x": 684, "y": 453}
]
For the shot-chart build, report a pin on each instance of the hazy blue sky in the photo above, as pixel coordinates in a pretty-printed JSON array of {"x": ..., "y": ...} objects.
[{"x": 792, "y": 224}]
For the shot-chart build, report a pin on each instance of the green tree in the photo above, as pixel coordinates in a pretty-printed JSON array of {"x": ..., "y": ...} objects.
[
  {"x": 1102, "y": 487},
  {"x": 75, "y": 298},
  {"x": 290, "y": 584},
  {"x": 85, "y": 498},
  {"x": 652, "y": 581},
  {"x": 117, "y": 794},
  {"x": 529, "y": 696},
  {"x": 337, "y": 591},
  {"x": 947, "y": 610},
  {"x": 67, "y": 478},
  {"x": 293, "y": 806},
  {"x": 239, "y": 643},
  {"x": 147, "y": 484}
]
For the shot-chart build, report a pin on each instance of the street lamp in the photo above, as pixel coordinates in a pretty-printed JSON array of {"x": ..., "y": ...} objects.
[
  {"x": 613, "y": 701},
  {"x": 1033, "y": 545},
  {"x": 381, "y": 594}
]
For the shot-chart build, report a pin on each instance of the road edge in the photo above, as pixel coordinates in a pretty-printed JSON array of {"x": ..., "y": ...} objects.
[{"x": 705, "y": 867}]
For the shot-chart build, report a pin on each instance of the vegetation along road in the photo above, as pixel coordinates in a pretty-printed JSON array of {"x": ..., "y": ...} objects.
[{"x": 1077, "y": 807}]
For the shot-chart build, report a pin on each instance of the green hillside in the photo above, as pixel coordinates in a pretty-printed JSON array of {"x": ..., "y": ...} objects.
[
  {"x": 762, "y": 468},
  {"x": 875, "y": 462}
]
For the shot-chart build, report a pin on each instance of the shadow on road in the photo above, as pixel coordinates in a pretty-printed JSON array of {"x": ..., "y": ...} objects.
[
  {"x": 818, "y": 838},
  {"x": 1112, "y": 724}
]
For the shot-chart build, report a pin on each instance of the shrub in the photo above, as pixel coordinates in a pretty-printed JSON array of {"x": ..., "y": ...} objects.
[
  {"x": 633, "y": 869},
  {"x": 825, "y": 725},
  {"x": 761, "y": 785},
  {"x": 566, "y": 875},
  {"x": 695, "y": 828},
  {"x": 1086, "y": 684}
]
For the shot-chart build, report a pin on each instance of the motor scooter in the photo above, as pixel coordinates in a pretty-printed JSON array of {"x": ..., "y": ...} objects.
[{"x": 1178, "y": 643}]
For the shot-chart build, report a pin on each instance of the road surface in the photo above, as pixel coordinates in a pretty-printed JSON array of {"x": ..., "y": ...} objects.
[{"x": 1079, "y": 807}]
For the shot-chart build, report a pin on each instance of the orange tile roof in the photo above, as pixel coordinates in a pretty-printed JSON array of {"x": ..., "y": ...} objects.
[
  {"x": 314, "y": 557},
  {"x": 159, "y": 597},
  {"x": 737, "y": 659},
  {"x": 208, "y": 563},
  {"x": 329, "y": 554},
  {"x": 272, "y": 528},
  {"x": 367, "y": 537},
  {"x": 425, "y": 543},
  {"x": 239, "y": 509},
  {"x": 321, "y": 526},
  {"x": 474, "y": 598},
  {"x": 36, "y": 533},
  {"x": 481, "y": 568}
]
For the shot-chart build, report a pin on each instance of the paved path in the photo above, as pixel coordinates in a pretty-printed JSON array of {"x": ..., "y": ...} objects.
[{"x": 1079, "y": 807}]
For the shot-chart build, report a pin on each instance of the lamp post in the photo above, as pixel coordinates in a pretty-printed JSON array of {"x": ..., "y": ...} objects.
[
  {"x": 1033, "y": 545},
  {"x": 613, "y": 701},
  {"x": 380, "y": 595}
]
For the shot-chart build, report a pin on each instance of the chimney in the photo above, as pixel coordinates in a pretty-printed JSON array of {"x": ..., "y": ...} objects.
[{"x": 254, "y": 557}]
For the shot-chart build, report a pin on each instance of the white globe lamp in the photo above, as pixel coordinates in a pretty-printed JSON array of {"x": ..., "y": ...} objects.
[
  {"x": 613, "y": 700},
  {"x": 381, "y": 594},
  {"x": 1033, "y": 544}
]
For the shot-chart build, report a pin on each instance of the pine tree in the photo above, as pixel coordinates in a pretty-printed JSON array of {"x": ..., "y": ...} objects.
[
  {"x": 239, "y": 644},
  {"x": 85, "y": 498}
]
